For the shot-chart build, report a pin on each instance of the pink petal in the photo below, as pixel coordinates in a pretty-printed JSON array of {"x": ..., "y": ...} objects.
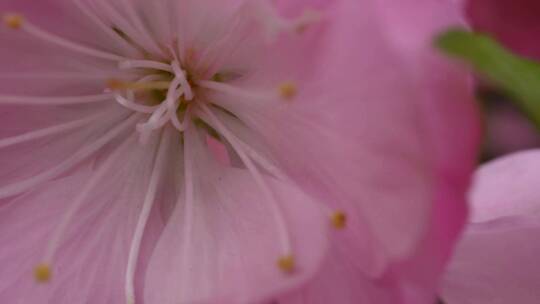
[
  {"x": 506, "y": 187},
  {"x": 28, "y": 159},
  {"x": 366, "y": 131},
  {"x": 91, "y": 257},
  {"x": 496, "y": 263},
  {"x": 228, "y": 250}
]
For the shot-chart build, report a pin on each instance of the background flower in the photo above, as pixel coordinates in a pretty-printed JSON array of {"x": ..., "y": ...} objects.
[{"x": 496, "y": 260}]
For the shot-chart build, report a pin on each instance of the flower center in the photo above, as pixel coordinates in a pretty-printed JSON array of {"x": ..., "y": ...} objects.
[{"x": 163, "y": 92}]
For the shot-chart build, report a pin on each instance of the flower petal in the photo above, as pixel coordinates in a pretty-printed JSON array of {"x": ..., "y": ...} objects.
[
  {"x": 226, "y": 249},
  {"x": 89, "y": 263},
  {"x": 358, "y": 145},
  {"x": 496, "y": 263},
  {"x": 507, "y": 187}
]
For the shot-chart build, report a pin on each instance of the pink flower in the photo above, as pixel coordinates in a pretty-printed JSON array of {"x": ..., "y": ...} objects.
[
  {"x": 331, "y": 113},
  {"x": 496, "y": 262},
  {"x": 515, "y": 23}
]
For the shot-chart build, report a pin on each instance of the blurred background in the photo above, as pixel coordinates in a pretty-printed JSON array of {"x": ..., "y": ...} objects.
[{"x": 507, "y": 128}]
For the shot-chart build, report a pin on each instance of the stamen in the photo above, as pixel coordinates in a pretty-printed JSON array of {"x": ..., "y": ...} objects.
[
  {"x": 18, "y": 22},
  {"x": 274, "y": 24},
  {"x": 339, "y": 220},
  {"x": 33, "y": 135},
  {"x": 115, "y": 84},
  {"x": 69, "y": 75},
  {"x": 156, "y": 175},
  {"x": 286, "y": 246},
  {"x": 167, "y": 111},
  {"x": 288, "y": 90},
  {"x": 287, "y": 264},
  {"x": 90, "y": 13},
  {"x": 13, "y": 21},
  {"x": 157, "y": 119},
  {"x": 133, "y": 106},
  {"x": 80, "y": 155},
  {"x": 106, "y": 8},
  {"x": 234, "y": 91},
  {"x": 181, "y": 76},
  {"x": 129, "y": 8},
  {"x": 42, "y": 273},
  {"x": 189, "y": 206},
  {"x": 145, "y": 64},
  {"x": 53, "y": 101},
  {"x": 82, "y": 196}
]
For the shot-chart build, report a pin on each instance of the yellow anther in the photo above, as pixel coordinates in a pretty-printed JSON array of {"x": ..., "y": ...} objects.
[
  {"x": 339, "y": 220},
  {"x": 42, "y": 273},
  {"x": 287, "y": 264},
  {"x": 115, "y": 84},
  {"x": 13, "y": 21},
  {"x": 288, "y": 90}
]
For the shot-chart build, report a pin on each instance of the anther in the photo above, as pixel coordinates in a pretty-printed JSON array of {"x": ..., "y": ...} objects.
[
  {"x": 287, "y": 264},
  {"x": 339, "y": 220},
  {"x": 42, "y": 273},
  {"x": 14, "y": 21},
  {"x": 288, "y": 90}
]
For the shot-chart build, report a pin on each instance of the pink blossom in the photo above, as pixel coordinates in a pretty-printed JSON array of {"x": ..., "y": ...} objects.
[
  {"x": 515, "y": 23},
  {"x": 333, "y": 114},
  {"x": 497, "y": 260}
]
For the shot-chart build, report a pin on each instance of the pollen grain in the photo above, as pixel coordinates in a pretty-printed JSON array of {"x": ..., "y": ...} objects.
[
  {"x": 42, "y": 273},
  {"x": 339, "y": 220},
  {"x": 287, "y": 264},
  {"x": 13, "y": 21},
  {"x": 288, "y": 90}
]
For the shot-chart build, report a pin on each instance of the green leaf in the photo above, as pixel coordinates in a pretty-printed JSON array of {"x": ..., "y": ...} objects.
[{"x": 519, "y": 76}]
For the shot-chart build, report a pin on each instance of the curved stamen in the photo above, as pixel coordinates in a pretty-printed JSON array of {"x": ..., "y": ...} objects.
[
  {"x": 181, "y": 76},
  {"x": 286, "y": 262},
  {"x": 96, "y": 177},
  {"x": 157, "y": 173},
  {"x": 168, "y": 110},
  {"x": 33, "y": 135},
  {"x": 145, "y": 129},
  {"x": 134, "y": 106},
  {"x": 65, "y": 43},
  {"x": 54, "y": 101},
  {"x": 148, "y": 78},
  {"x": 173, "y": 115},
  {"x": 67, "y": 164},
  {"x": 163, "y": 114}
]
